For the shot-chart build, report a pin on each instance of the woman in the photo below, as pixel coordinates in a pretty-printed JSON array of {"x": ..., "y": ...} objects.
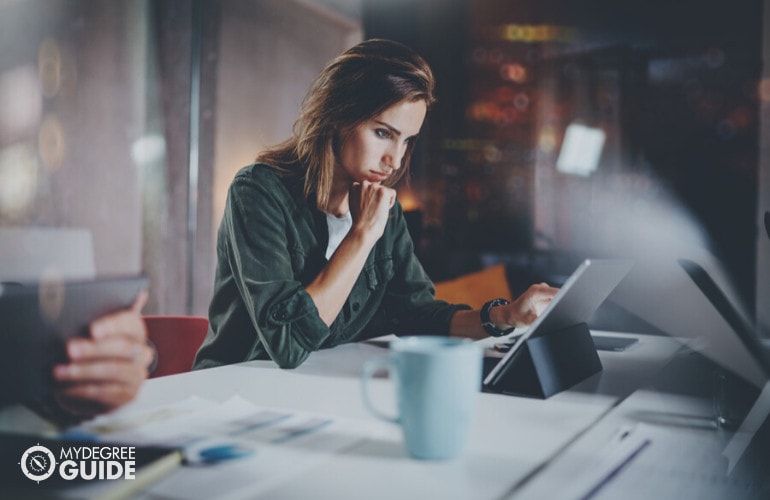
[{"x": 313, "y": 249}]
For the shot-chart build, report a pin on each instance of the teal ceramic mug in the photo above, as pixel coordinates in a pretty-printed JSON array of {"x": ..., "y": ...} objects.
[{"x": 437, "y": 381}]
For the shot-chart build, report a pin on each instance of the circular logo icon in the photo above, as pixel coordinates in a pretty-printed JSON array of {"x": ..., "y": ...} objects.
[{"x": 38, "y": 463}]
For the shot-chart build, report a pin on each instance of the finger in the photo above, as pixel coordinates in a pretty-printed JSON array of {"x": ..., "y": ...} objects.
[
  {"x": 116, "y": 347},
  {"x": 103, "y": 371},
  {"x": 391, "y": 198},
  {"x": 386, "y": 195},
  {"x": 140, "y": 301},
  {"x": 127, "y": 323}
]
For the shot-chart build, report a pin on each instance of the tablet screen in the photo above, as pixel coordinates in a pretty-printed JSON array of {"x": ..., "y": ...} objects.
[{"x": 576, "y": 301}]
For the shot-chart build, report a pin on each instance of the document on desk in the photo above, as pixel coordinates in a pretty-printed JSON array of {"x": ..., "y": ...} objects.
[{"x": 281, "y": 443}]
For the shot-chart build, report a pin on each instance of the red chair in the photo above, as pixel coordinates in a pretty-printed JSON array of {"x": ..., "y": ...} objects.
[{"x": 176, "y": 339}]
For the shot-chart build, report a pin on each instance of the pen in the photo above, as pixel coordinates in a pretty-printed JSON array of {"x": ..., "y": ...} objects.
[
  {"x": 625, "y": 445},
  {"x": 625, "y": 449}
]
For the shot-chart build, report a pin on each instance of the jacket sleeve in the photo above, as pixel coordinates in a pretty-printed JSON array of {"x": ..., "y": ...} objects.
[
  {"x": 410, "y": 306},
  {"x": 284, "y": 316}
]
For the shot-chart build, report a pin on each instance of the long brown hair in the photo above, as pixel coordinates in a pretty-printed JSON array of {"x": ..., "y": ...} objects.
[{"x": 354, "y": 87}]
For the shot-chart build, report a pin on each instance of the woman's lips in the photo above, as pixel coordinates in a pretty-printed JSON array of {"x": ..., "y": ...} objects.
[{"x": 378, "y": 176}]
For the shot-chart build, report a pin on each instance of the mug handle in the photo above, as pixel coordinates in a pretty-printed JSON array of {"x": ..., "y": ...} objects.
[{"x": 370, "y": 367}]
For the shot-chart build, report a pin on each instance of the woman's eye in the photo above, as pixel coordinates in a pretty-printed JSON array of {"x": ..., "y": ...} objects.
[{"x": 382, "y": 133}]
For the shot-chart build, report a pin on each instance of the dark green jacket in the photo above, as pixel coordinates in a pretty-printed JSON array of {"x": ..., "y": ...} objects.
[{"x": 271, "y": 244}]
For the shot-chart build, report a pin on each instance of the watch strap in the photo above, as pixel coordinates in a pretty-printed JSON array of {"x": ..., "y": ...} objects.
[{"x": 489, "y": 326}]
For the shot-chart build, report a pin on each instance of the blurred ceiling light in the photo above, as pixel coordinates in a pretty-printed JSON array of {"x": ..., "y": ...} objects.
[
  {"x": 20, "y": 101},
  {"x": 18, "y": 181},
  {"x": 580, "y": 150}
]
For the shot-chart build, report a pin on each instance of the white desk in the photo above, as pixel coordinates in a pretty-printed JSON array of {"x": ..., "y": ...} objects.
[
  {"x": 682, "y": 452},
  {"x": 512, "y": 439},
  {"x": 511, "y": 436}
]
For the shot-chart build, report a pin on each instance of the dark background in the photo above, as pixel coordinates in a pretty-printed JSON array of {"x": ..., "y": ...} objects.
[{"x": 682, "y": 109}]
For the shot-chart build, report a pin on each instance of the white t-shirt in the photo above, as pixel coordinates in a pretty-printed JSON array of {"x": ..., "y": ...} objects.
[{"x": 338, "y": 228}]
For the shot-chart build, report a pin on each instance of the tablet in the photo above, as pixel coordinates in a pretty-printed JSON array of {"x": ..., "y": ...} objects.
[
  {"x": 575, "y": 303},
  {"x": 37, "y": 318}
]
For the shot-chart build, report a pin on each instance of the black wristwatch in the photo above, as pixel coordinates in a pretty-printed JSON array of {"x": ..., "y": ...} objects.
[{"x": 487, "y": 323}]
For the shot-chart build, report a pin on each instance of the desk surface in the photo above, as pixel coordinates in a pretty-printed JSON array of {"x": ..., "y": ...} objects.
[
  {"x": 514, "y": 443},
  {"x": 683, "y": 453},
  {"x": 511, "y": 437}
]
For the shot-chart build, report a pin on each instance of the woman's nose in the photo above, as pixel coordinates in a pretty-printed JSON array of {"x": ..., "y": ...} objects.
[{"x": 395, "y": 155}]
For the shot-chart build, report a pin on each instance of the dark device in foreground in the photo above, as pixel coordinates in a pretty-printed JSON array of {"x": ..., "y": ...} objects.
[
  {"x": 36, "y": 319},
  {"x": 557, "y": 351}
]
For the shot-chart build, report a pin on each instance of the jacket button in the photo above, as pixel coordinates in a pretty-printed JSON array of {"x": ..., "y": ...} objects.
[{"x": 356, "y": 306}]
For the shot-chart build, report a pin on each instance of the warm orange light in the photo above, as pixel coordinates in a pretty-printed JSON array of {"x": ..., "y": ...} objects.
[
  {"x": 533, "y": 33},
  {"x": 407, "y": 198},
  {"x": 514, "y": 72}
]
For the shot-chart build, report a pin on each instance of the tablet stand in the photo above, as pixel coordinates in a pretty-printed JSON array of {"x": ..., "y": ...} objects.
[{"x": 550, "y": 363}]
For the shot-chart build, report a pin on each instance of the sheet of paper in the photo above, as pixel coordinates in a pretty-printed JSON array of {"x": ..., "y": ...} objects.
[{"x": 282, "y": 443}]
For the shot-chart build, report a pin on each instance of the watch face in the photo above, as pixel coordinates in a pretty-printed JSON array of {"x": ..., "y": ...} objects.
[
  {"x": 487, "y": 323},
  {"x": 38, "y": 463}
]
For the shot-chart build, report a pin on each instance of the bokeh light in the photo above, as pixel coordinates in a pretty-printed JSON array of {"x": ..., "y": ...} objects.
[
  {"x": 18, "y": 181},
  {"x": 535, "y": 33},
  {"x": 148, "y": 149},
  {"x": 513, "y": 72},
  {"x": 21, "y": 103},
  {"x": 49, "y": 65},
  {"x": 51, "y": 142},
  {"x": 547, "y": 140}
]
